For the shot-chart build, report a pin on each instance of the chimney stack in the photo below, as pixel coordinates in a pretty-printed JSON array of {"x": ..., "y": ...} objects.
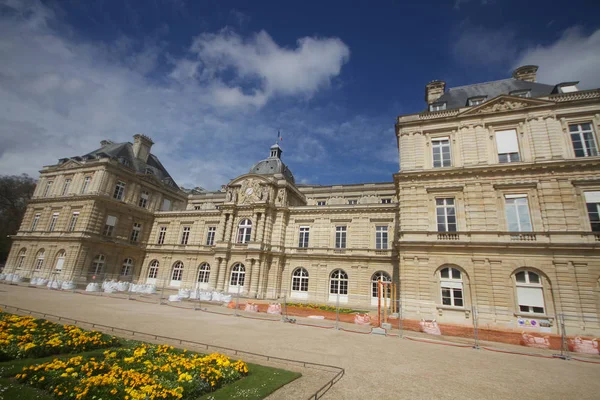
[
  {"x": 141, "y": 147},
  {"x": 525, "y": 73},
  {"x": 434, "y": 90}
]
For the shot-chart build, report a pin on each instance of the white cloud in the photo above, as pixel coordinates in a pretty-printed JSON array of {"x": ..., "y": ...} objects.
[
  {"x": 575, "y": 56},
  {"x": 60, "y": 95}
]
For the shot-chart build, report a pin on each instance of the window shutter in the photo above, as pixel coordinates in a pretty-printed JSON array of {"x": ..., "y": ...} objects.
[
  {"x": 451, "y": 285},
  {"x": 515, "y": 196},
  {"x": 507, "y": 141},
  {"x": 592, "y": 197},
  {"x": 530, "y": 296}
]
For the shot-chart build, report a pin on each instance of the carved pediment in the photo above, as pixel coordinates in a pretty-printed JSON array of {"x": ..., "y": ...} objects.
[
  {"x": 249, "y": 191},
  {"x": 505, "y": 103},
  {"x": 70, "y": 164}
]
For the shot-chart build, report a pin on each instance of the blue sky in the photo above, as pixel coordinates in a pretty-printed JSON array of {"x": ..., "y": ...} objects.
[{"x": 213, "y": 81}]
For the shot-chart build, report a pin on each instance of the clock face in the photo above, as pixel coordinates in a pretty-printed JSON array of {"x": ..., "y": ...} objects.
[{"x": 249, "y": 191}]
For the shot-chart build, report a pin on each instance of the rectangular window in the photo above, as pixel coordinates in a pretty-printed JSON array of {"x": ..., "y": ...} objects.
[
  {"x": 210, "y": 236},
  {"x": 475, "y": 101},
  {"x": 86, "y": 184},
  {"x": 592, "y": 202},
  {"x": 73, "y": 221},
  {"x": 446, "y": 215},
  {"x": 352, "y": 201},
  {"x": 517, "y": 213},
  {"x": 143, "y": 199},
  {"x": 508, "y": 146},
  {"x": 340, "y": 237},
  {"x": 303, "y": 238},
  {"x": 185, "y": 234},
  {"x": 65, "y": 190},
  {"x": 109, "y": 227},
  {"x": 441, "y": 152},
  {"x": 166, "y": 205},
  {"x": 381, "y": 237},
  {"x": 119, "y": 192},
  {"x": 531, "y": 299},
  {"x": 584, "y": 141},
  {"x": 386, "y": 201},
  {"x": 321, "y": 203},
  {"x": 521, "y": 93},
  {"x": 48, "y": 188},
  {"x": 53, "y": 222},
  {"x": 161, "y": 235},
  {"x": 36, "y": 219},
  {"x": 452, "y": 294},
  {"x": 135, "y": 232},
  {"x": 437, "y": 107}
]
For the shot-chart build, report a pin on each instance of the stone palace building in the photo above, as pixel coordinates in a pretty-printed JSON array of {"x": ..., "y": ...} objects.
[{"x": 496, "y": 206}]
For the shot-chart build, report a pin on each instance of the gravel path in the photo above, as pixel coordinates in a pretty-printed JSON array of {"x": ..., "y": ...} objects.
[{"x": 377, "y": 367}]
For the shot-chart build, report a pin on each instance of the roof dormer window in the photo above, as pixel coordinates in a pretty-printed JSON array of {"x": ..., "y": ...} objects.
[
  {"x": 475, "y": 101},
  {"x": 437, "y": 106},
  {"x": 124, "y": 161},
  {"x": 568, "y": 89},
  {"x": 521, "y": 93},
  {"x": 149, "y": 171}
]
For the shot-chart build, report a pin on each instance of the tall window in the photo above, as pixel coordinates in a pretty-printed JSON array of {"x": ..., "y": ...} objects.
[
  {"x": 592, "y": 202},
  {"x": 380, "y": 277},
  {"x": 381, "y": 237},
  {"x": 60, "y": 261},
  {"x": 162, "y": 233},
  {"x": 166, "y": 205},
  {"x": 441, "y": 152},
  {"x": 66, "y": 185},
  {"x": 584, "y": 141},
  {"x": 203, "y": 273},
  {"x": 98, "y": 264},
  {"x": 109, "y": 227},
  {"x": 530, "y": 292},
  {"x": 185, "y": 234},
  {"x": 238, "y": 275},
  {"x": 127, "y": 267},
  {"x": 340, "y": 237},
  {"x": 508, "y": 146},
  {"x": 86, "y": 184},
  {"x": 119, "y": 192},
  {"x": 210, "y": 236},
  {"x": 244, "y": 230},
  {"x": 446, "y": 215},
  {"x": 177, "y": 274},
  {"x": 300, "y": 280},
  {"x": 153, "y": 270},
  {"x": 21, "y": 258},
  {"x": 144, "y": 196},
  {"x": 53, "y": 222},
  {"x": 338, "y": 282},
  {"x": 39, "y": 262},
  {"x": 135, "y": 232},
  {"x": 517, "y": 213},
  {"x": 304, "y": 234},
  {"x": 36, "y": 219},
  {"x": 48, "y": 188},
  {"x": 451, "y": 284},
  {"x": 73, "y": 221}
]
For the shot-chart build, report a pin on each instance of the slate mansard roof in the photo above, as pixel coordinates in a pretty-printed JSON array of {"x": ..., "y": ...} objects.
[{"x": 458, "y": 97}]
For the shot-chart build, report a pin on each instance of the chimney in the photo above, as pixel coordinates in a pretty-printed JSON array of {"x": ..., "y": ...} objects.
[
  {"x": 525, "y": 73},
  {"x": 141, "y": 147},
  {"x": 434, "y": 90}
]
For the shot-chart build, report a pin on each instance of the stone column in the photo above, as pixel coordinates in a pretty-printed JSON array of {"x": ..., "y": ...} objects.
[
  {"x": 213, "y": 277},
  {"x": 249, "y": 277},
  {"x": 222, "y": 278},
  {"x": 255, "y": 227},
  {"x": 254, "y": 279}
]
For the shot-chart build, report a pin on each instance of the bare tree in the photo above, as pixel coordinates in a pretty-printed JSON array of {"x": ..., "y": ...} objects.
[{"x": 15, "y": 192}]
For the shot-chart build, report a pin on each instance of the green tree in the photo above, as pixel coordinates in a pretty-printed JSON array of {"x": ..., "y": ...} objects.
[{"x": 15, "y": 192}]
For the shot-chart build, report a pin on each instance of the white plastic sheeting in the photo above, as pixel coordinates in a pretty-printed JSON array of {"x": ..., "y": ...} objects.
[
  {"x": 184, "y": 293},
  {"x": 93, "y": 287},
  {"x": 174, "y": 297}
]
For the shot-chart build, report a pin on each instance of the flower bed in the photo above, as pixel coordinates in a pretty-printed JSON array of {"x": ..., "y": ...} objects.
[
  {"x": 27, "y": 337},
  {"x": 143, "y": 372},
  {"x": 324, "y": 307}
]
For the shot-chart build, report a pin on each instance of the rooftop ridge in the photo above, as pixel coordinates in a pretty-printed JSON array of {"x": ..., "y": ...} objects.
[{"x": 485, "y": 83}]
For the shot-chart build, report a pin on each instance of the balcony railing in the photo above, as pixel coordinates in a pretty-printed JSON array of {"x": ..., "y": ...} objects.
[{"x": 558, "y": 238}]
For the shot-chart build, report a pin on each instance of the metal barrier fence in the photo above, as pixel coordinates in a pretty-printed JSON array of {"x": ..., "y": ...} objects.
[{"x": 338, "y": 371}]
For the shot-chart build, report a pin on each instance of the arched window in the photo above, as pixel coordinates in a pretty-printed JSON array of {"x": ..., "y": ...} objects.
[
  {"x": 21, "y": 258},
  {"x": 530, "y": 294},
  {"x": 238, "y": 275},
  {"x": 153, "y": 270},
  {"x": 177, "y": 274},
  {"x": 39, "y": 262},
  {"x": 60, "y": 261},
  {"x": 451, "y": 284},
  {"x": 300, "y": 280},
  {"x": 127, "y": 267},
  {"x": 98, "y": 264},
  {"x": 203, "y": 273},
  {"x": 245, "y": 228},
  {"x": 338, "y": 282},
  {"x": 377, "y": 277}
]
